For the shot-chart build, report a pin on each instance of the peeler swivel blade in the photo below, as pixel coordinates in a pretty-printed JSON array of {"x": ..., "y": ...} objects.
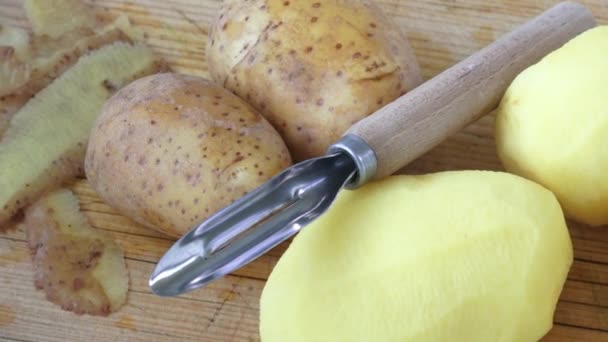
[{"x": 259, "y": 221}]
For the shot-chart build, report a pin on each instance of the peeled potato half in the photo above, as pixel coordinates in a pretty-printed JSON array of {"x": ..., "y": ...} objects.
[
  {"x": 455, "y": 256},
  {"x": 552, "y": 126}
]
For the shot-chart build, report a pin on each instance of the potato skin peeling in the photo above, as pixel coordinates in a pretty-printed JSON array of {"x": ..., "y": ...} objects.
[
  {"x": 45, "y": 142},
  {"x": 312, "y": 68},
  {"x": 64, "y": 30},
  {"x": 79, "y": 268},
  {"x": 47, "y": 60}
]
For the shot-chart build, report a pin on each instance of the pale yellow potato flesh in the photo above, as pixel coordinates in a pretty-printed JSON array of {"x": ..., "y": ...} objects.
[
  {"x": 14, "y": 46},
  {"x": 46, "y": 60},
  {"x": 454, "y": 256},
  {"x": 45, "y": 142},
  {"x": 16, "y": 38},
  {"x": 312, "y": 68},
  {"x": 54, "y": 18},
  {"x": 170, "y": 150},
  {"x": 552, "y": 126},
  {"x": 79, "y": 268}
]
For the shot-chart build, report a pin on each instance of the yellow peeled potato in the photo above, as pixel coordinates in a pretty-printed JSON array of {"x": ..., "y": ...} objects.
[
  {"x": 456, "y": 256},
  {"x": 169, "y": 150},
  {"x": 552, "y": 126},
  {"x": 311, "y": 67}
]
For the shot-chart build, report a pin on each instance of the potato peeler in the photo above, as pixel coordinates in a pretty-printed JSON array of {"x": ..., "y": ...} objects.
[{"x": 372, "y": 149}]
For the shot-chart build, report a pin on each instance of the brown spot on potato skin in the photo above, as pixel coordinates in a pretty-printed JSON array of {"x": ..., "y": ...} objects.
[
  {"x": 111, "y": 88},
  {"x": 224, "y": 120},
  {"x": 77, "y": 284}
]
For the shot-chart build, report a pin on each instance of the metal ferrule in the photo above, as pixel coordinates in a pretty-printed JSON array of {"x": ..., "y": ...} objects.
[{"x": 363, "y": 156}]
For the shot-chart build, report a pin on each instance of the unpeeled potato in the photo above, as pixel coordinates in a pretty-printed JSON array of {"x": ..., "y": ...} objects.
[
  {"x": 455, "y": 256},
  {"x": 311, "y": 67},
  {"x": 170, "y": 150}
]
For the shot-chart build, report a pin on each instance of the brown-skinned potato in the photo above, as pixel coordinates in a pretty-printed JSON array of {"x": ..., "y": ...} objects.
[
  {"x": 169, "y": 150},
  {"x": 312, "y": 68}
]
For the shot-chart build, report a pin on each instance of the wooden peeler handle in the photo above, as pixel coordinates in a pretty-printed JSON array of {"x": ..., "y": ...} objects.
[{"x": 419, "y": 120}]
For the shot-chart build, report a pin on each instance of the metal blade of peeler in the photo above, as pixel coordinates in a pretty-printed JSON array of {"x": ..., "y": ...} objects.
[{"x": 259, "y": 221}]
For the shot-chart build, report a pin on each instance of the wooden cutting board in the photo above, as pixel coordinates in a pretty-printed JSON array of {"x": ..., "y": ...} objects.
[{"x": 442, "y": 32}]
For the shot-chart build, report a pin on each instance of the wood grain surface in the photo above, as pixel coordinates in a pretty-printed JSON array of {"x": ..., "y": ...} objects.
[{"x": 442, "y": 32}]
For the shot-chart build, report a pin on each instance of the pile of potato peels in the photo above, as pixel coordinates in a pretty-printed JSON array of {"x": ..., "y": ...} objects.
[{"x": 53, "y": 83}]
